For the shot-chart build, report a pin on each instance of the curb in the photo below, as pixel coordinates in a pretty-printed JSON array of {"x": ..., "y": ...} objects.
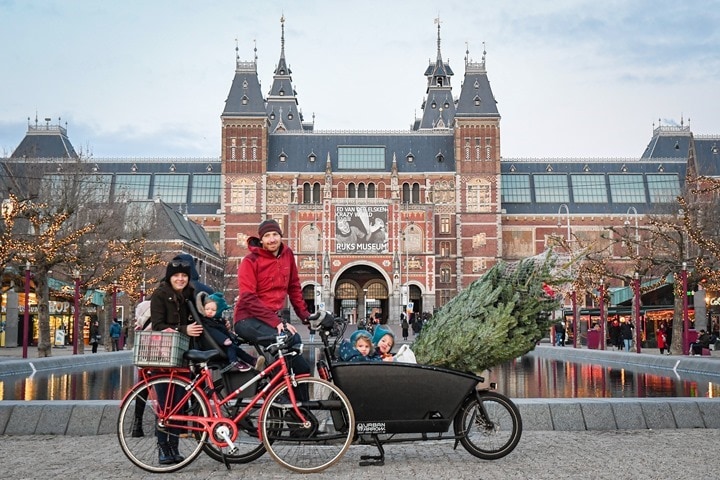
[{"x": 99, "y": 417}]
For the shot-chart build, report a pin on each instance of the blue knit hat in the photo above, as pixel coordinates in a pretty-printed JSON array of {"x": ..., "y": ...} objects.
[
  {"x": 380, "y": 332},
  {"x": 219, "y": 299},
  {"x": 359, "y": 333}
]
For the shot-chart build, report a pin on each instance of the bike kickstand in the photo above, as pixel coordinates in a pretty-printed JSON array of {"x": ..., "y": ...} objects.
[{"x": 374, "y": 460}]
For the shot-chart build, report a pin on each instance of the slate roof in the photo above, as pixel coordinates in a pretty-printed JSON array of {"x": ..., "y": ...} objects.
[
  {"x": 429, "y": 151},
  {"x": 45, "y": 141}
]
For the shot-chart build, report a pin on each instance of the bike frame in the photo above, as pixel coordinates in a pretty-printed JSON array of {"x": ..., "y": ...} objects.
[{"x": 171, "y": 417}]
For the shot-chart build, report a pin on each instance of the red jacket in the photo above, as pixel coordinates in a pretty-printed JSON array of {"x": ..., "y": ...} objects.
[{"x": 265, "y": 281}]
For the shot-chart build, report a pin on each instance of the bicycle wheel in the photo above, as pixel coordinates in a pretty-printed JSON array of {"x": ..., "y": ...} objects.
[
  {"x": 142, "y": 407},
  {"x": 311, "y": 447},
  {"x": 489, "y": 425},
  {"x": 249, "y": 446}
]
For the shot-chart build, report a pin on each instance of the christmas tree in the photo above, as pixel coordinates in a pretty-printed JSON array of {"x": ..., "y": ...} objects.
[{"x": 500, "y": 316}]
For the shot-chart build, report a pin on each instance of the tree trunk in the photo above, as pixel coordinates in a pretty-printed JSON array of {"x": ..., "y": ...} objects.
[
  {"x": 42, "y": 294},
  {"x": 676, "y": 347}
]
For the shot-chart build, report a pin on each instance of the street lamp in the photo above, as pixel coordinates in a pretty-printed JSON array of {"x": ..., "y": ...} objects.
[
  {"x": 636, "y": 311},
  {"x": 76, "y": 316},
  {"x": 316, "y": 241},
  {"x": 26, "y": 316},
  {"x": 114, "y": 301},
  {"x": 602, "y": 314},
  {"x": 365, "y": 312},
  {"x": 686, "y": 320},
  {"x": 573, "y": 298},
  {"x": 567, "y": 214},
  {"x": 634, "y": 211}
]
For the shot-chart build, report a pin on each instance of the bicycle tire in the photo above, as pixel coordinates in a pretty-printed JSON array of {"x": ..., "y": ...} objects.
[
  {"x": 318, "y": 446},
  {"x": 489, "y": 425},
  {"x": 143, "y": 450}
]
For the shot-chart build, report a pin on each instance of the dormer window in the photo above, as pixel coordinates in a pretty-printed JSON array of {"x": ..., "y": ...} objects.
[
  {"x": 281, "y": 93},
  {"x": 433, "y": 105},
  {"x": 290, "y": 116},
  {"x": 312, "y": 157},
  {"x": 244, "y": 100},
  {"x": 714, "y": 149},
  {"x": 477, "y": 101},
  {"x": 282, "y": 157},
  {"x": 410, "y": 157},
  {"x": 447, "y": 105},
  {"x": 272, "y": 116},
  {"x": 440, "y": 157}
]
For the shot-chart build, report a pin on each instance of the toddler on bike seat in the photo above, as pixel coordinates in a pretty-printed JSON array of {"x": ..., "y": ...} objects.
[{"x": 212, "y": 308}]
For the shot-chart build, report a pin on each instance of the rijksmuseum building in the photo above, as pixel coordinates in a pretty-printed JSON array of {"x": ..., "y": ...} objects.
[{"x": 383, "y": 221}]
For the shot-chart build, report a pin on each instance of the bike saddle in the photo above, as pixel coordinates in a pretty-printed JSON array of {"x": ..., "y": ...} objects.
[{"x": 202, "y": 356}]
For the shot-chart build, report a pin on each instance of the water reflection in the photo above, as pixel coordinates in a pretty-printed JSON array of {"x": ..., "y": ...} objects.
[
  {"x": 535, "y": 377},
  {"x": 526, "y": 377}
]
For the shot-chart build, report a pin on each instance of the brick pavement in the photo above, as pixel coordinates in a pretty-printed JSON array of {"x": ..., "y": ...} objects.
[{"x": 610, "y": 455}]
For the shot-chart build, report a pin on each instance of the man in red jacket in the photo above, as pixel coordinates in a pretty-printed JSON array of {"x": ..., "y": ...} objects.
[{"x": 266, "y": 277}]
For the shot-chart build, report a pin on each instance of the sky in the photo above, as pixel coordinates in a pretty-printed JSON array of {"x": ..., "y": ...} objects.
[{"x": 148, "y": 79}]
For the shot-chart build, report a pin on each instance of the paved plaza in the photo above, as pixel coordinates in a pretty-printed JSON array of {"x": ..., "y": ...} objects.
[{"x": 611, "y": 455}]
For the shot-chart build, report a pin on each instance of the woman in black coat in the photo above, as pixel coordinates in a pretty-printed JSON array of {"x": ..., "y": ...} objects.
[{"x": 169, "y": 312}]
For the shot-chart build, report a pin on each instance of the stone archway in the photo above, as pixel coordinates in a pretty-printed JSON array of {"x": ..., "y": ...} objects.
[{"x": 362, "y": 290}]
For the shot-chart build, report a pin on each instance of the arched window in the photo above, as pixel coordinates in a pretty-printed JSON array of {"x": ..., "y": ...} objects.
[
  {"x": 416, "y": 193},
  {"x": 371, "y": 190},
  {"x": 316, "y": 192},
  {"x": 307, "y": 197},
  {"x": 406, "y": 193},
  {"x": 444, "y": 274},
  {"x": 361, "y": 191},
  {"x": 351, "y": 191}
]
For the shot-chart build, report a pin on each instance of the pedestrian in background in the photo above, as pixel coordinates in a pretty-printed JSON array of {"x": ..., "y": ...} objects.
[
  {"x": 94, "y": 335},
  {"x": 115, "y": 330}
]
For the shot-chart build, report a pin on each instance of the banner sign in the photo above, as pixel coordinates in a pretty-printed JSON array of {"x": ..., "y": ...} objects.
[{"x": 361, "y": 229}]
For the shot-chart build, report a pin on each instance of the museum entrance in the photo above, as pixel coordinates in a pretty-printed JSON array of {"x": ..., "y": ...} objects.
[{"x": 362, "y": 294}]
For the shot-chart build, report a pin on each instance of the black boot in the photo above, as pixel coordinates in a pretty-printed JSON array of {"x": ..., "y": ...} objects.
[
  {"x": 137, "y": 430},
  {"x": 166, "y": 454},
  {"x": 174, "y": 451}
]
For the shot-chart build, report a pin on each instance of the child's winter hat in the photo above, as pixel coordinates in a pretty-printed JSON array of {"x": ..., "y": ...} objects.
[
  {"x": 381, "y": 331},
  {"x": 219, "y": 299},
  {"x": 360, "y": 333}
]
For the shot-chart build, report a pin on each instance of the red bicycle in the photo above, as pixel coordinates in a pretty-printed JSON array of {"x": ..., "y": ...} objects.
[{"x": 185, "y": 404}]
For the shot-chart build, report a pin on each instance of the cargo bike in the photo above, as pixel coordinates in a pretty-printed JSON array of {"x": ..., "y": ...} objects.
[
  {"x": 235, "y": 417},
  {"x": 404, "y": 402}
]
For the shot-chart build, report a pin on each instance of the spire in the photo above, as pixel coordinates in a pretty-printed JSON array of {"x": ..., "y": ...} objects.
[
  {"x": 282, "y": 68},
  {"x": 282, "y": 105},
  {"x": 439, "y": 108}
]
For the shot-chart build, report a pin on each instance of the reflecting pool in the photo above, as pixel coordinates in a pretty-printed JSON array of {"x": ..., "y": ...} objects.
[{"x": 525, "y": 377}]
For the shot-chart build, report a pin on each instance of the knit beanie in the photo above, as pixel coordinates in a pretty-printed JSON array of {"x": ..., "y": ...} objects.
[
  {"x": 267, "y": 226},
  {"x": 219, "y": 300},
  {"x": 177, "y": 266}
]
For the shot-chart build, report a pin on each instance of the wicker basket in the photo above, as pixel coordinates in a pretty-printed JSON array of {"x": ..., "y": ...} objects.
[{"x": 159, "y": 349}]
